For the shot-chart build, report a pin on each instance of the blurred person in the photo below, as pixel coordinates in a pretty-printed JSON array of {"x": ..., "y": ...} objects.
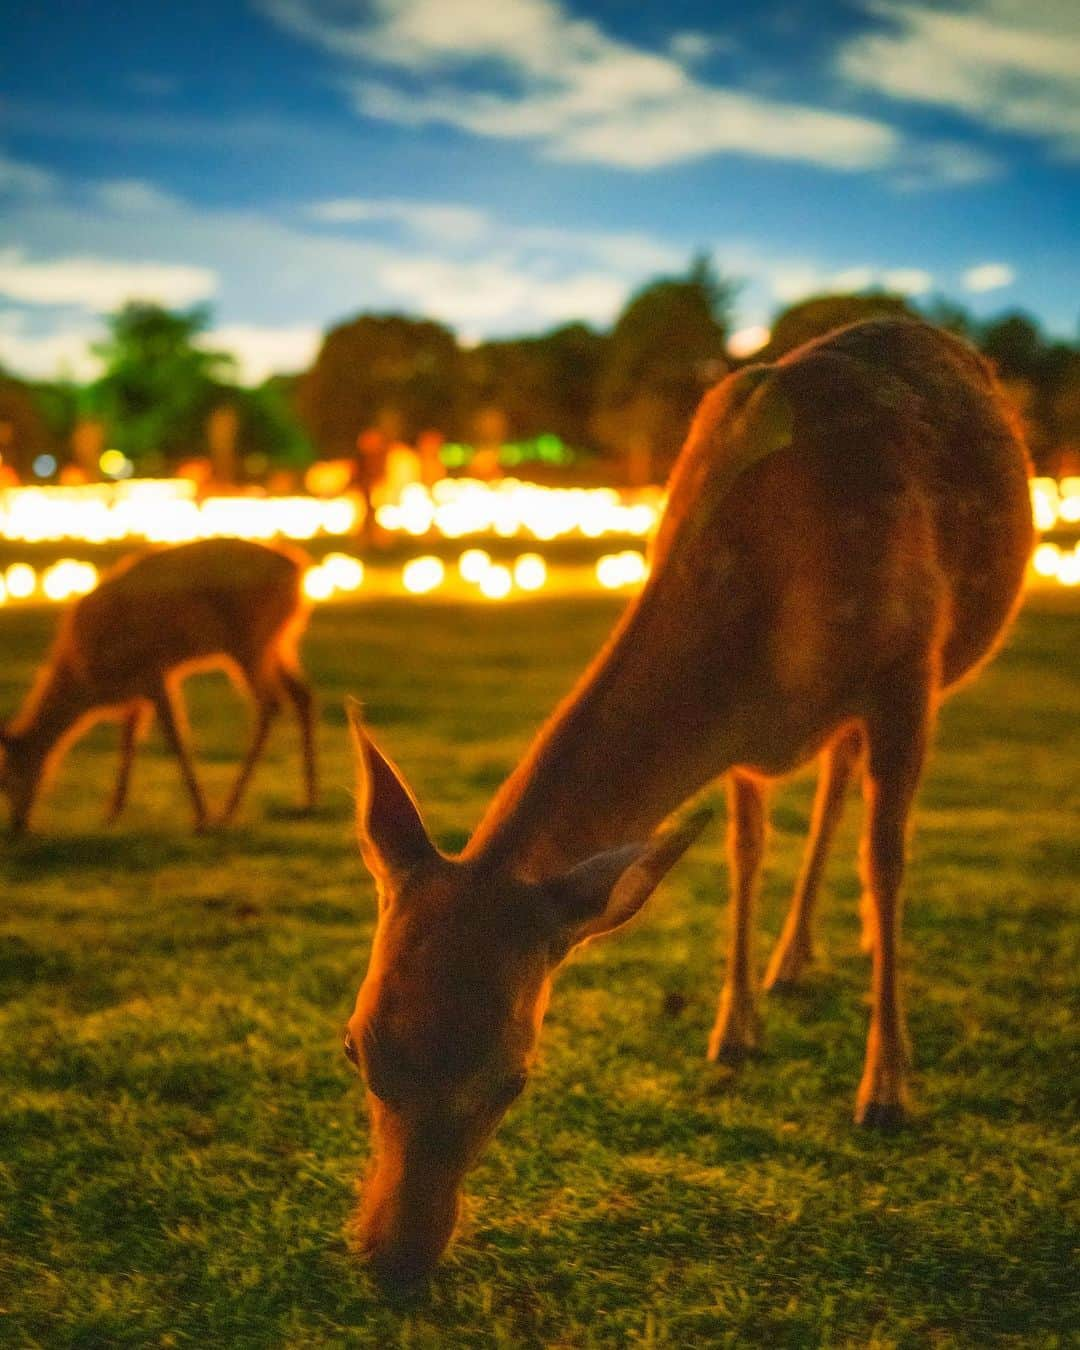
[
  {"x": 403, "y": 468},
  {"x": 369, "y": 468},
  {"x": 429, "y": 445}
]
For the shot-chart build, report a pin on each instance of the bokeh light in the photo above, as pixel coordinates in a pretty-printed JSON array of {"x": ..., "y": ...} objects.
[
  {"x": 496, "y": 582},
  {"x": 422, "y": 575}
]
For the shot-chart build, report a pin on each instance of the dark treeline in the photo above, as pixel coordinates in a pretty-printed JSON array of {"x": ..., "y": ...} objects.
[{"x": 625, "y": 395}]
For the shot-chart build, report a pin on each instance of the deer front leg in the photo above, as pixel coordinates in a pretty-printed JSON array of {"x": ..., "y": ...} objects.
[
  {"x": 794, "y": 949},
  {"x": 735, "y": 1034},
  {"x": 299, "y": 691},
  {"x": 131, "y": 730},
  {"x": 266, "y": 704},
  {"x": 173, "y": 721},
  {"x": 896, "y": 743}
]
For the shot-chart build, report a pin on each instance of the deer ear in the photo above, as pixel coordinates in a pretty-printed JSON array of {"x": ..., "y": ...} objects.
[
  {"x": 393, "y": 839},
  {"x": 607, "y": 890}
]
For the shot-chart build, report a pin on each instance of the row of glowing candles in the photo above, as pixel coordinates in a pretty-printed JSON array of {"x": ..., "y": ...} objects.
[
  {"x": 167, "y": 511},
  {"x": 154, "y": 510},
  {"x": 476, "y": 574}
]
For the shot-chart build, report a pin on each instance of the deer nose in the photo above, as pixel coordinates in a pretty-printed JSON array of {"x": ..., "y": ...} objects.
[{"x": 350, "y": 1048}]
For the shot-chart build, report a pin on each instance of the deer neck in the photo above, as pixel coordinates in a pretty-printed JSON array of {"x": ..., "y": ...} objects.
[
  {"x": 628, "y": 746},
  {"x": 54, "y": 705}
]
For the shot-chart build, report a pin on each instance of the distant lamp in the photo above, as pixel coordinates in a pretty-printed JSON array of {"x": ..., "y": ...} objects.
[
  {"x": 115, "y": 464},
  {"x": 747, "y": 341}
]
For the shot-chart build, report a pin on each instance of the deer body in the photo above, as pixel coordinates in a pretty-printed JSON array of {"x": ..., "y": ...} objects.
[
  {"x": 845, "y": 538},
  {"x": 122, "y": 650}
]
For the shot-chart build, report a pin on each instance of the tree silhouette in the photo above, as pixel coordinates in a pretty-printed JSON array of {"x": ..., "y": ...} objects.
[
  {"x": 381, "y": 369},
  {"x": 820, "y": 314},
  {"x": 24, "y": 431},
  {"x": 1044, "y": 381},
  {"x": 666, "y": 348},
  {"x": 540, "y": 384},
  {"x": 158, "y": 386}
]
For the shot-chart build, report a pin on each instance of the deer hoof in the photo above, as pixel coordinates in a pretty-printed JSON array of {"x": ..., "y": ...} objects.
[
  {"x": 731, "y": 1053},
  {"x": 888, "y": 1117},
  {"x": 787, "y": 971},
  {"x": 734, "y": 1041}
]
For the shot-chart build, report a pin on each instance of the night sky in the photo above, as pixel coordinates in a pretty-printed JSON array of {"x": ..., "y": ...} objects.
[{"x": 505, "y": 165}]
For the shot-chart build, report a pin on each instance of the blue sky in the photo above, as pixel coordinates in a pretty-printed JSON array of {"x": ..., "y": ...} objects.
[{"x": 505, "y": 165}]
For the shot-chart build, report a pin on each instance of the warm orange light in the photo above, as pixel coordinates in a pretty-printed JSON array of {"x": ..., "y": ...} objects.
[
  {"x": 530, "y": 572},
  {"x": 21, "y": 581},
  {"x": 496, "y": 582},
  {"x": 422, "y": 575}
]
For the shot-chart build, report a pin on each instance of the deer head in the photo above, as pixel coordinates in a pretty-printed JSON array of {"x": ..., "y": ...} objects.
[{"x": 447, "y": 1019}]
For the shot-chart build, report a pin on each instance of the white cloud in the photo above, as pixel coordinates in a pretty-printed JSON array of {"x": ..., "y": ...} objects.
[
  {"x": 529, "y": 70},
  {"x": 746, "y": 341},
  {"x": 788, "y": 280},
  {"x": 705, "y": 121},
  {"x": 626, "y": 253},
  {"x": 481, "y": 293},
  {"x": 134, "y": 196},
  {"x": 988, "y": 277},
  {"x": 455, "y": 225},
  {"x": 1010, "y": 64},
  {"x": 440, "y": 220},
  {"x": 943, "y": 164},
  {"x": 510, "y": 279},
  {"x": 691, "y": 45},
  {"x": 907, "y": 280},
  {"x": 851, "y": 279},
  {"x": 261, "y": 352},
  {"x": 100, "y": 283},
  {"x": 792, "y": 281},
  {"x": 44, "y": 356},
  {"x": 594, "y": 296},
  {"x": 16, "y": 176}
]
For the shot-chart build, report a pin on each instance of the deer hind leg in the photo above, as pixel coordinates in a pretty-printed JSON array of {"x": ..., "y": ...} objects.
[
  {"x": 794, "y": 949},
  {"x": 132, "y": 729},
  {"x": 169, "y": 706},
  {"x": 265, "y": 690},
  {"x": 736, "y": 1031},
  {"x": 896, "y": 747},
  {"x": 299, "y": 692}
]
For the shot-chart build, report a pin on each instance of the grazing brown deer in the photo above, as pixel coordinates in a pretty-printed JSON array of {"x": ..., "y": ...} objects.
[
  {"x": 845, "y": 538},
  {"x": 123, "y": 649}
]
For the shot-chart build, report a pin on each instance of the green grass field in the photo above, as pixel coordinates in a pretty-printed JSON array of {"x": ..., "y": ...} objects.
[{"x": 180, "y": 1133}]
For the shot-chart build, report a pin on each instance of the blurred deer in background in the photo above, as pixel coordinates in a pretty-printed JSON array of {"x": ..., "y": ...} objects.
[
  {"x": 845, "y": 538},
  {"x": 122, "y": 651}
]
